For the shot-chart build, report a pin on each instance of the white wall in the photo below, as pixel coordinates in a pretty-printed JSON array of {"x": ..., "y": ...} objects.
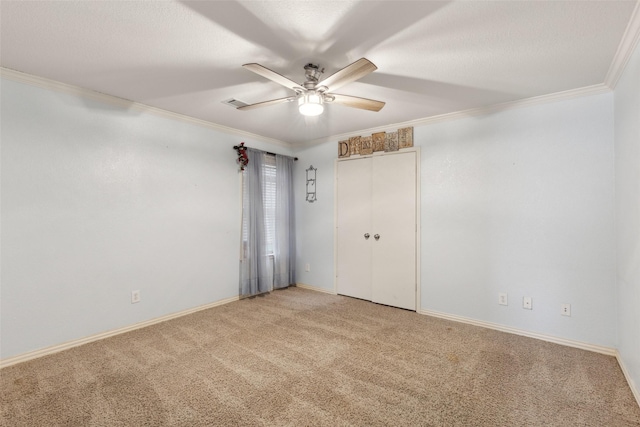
[
  {"x": 627, "y": 163},
  {"x": 520, "y": 202},
  {"x": 314, "y": 231},
  {"x": 98, "y": 201}
]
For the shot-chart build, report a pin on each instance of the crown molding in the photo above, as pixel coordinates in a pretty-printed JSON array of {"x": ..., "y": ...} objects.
[
  {"x": 480, "y": 111},
  {"x": 626, "y": 47},
  {"x": 44, "y": 83},
  {"x": 54, "y": 85}
]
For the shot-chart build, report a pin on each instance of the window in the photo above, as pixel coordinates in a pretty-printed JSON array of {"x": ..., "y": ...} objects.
[
  {"x": 269, "y": 194},
  {"x": 269, "y": 204}
]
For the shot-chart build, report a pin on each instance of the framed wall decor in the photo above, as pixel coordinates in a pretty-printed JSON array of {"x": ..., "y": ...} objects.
[
  {"x": 311, "y": 184},
  {"x": 391, "y": 141},
  {"x": 354, "y": 145},
  {"x": 343, "y": 149},
  {"x": 366, "y": 145},
  {"x": 405, "y": 138},
  {"x": 378, "y": 141}
]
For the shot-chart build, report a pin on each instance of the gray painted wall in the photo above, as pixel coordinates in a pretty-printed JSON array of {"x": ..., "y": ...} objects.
[{"x": 627, "y": 147}]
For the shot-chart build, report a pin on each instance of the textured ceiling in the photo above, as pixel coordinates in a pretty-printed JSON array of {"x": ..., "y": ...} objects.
[{"x": 433, "y": 58}]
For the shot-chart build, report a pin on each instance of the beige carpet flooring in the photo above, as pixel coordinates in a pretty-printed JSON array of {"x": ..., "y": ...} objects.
[{"x": 303, "y": 358}]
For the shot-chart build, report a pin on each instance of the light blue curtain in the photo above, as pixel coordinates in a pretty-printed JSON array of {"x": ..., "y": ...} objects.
[
  {"x": 255, "y": 275},
  {"x": 285, "y": 243},
  {"x": 268, "y": 248}
]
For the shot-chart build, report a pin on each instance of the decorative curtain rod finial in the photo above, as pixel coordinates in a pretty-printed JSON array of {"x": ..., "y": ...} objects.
[{"x": 243, "y": 160}]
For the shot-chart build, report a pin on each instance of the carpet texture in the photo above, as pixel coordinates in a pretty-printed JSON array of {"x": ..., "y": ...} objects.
[{"x": 298, "y": 357}]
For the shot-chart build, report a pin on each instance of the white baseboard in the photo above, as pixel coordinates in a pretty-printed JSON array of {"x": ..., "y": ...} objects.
[
  {"x": 571, "y": 343},
  {"x": 632, "y": 385},
  {"x": 75, "y": 343},
  {"x": 609, "y": 351},
  {"x": 316, "y": 288}
]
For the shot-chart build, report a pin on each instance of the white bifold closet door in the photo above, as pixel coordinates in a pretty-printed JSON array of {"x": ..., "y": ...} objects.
[{"x": 377, "y": 198}]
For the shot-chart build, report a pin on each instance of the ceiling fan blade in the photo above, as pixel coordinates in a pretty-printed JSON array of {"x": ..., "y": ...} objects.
[
  {"x": 355, "y": 102},
  {"x": 348, "y": 74},
  {"x": 267, "y": 103},
  {"x": 273, "y": 76}
]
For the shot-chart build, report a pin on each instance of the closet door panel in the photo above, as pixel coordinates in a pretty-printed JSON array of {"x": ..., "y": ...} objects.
[
  {"x": 353, "y": 222},
  {"x": 394, "y": 220}
]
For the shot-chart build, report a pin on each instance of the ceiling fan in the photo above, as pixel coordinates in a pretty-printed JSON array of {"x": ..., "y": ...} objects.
[{"x": 312, "y": 95}]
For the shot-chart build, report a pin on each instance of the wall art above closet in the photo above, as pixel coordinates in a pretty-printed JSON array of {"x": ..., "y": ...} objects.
[{"x": 380, "y": 141}]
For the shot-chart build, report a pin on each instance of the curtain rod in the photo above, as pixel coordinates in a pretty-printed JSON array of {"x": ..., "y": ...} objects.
[{"x": 236, "y": 147}]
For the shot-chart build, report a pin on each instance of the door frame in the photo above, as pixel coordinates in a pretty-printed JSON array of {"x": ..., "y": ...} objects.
[{"x": 418, "y": 308}]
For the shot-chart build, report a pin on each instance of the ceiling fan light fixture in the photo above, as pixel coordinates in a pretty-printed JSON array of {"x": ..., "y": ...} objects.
[
  {"x": 312, "y": 94},
  {"x": 310, "y": 104}
]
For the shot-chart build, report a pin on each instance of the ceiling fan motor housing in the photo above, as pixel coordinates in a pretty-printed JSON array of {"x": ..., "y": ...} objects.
[{"x": 312, "y": 72}]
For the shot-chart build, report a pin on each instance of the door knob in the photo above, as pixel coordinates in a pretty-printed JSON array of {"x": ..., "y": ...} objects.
[
  {"x": 376, "y": 236},
  {"x": 366, "y": 236}
]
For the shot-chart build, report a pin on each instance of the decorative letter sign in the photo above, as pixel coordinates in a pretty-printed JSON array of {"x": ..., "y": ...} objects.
[
  {"x": 354, "y": 145},
  {"x": 366, "y": 145},
  {"x": 405, "y": 138},
  {"x": 343, "y": 149},
  {"x": 391, "y": 143},
  {"x": 380, "y": 141}
]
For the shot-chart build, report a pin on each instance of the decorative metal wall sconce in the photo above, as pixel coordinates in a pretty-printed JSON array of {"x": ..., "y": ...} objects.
[{"x": 311, "y": 184}]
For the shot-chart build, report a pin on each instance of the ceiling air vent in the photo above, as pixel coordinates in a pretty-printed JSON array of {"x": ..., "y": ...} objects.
[{"x": 235, "y": 103}]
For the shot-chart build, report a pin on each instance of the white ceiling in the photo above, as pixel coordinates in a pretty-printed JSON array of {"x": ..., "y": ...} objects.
[{"x": 433, "y": 58}]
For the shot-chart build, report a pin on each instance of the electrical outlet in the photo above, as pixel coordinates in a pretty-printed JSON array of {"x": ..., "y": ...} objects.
[
  {"x": 502, "y": 299},
  {"x": 527, "y": 303},
  {"x": 307, "y": 267},
  {"x": 565, "y": 309},
  {"x": 135, "y": 297}
]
